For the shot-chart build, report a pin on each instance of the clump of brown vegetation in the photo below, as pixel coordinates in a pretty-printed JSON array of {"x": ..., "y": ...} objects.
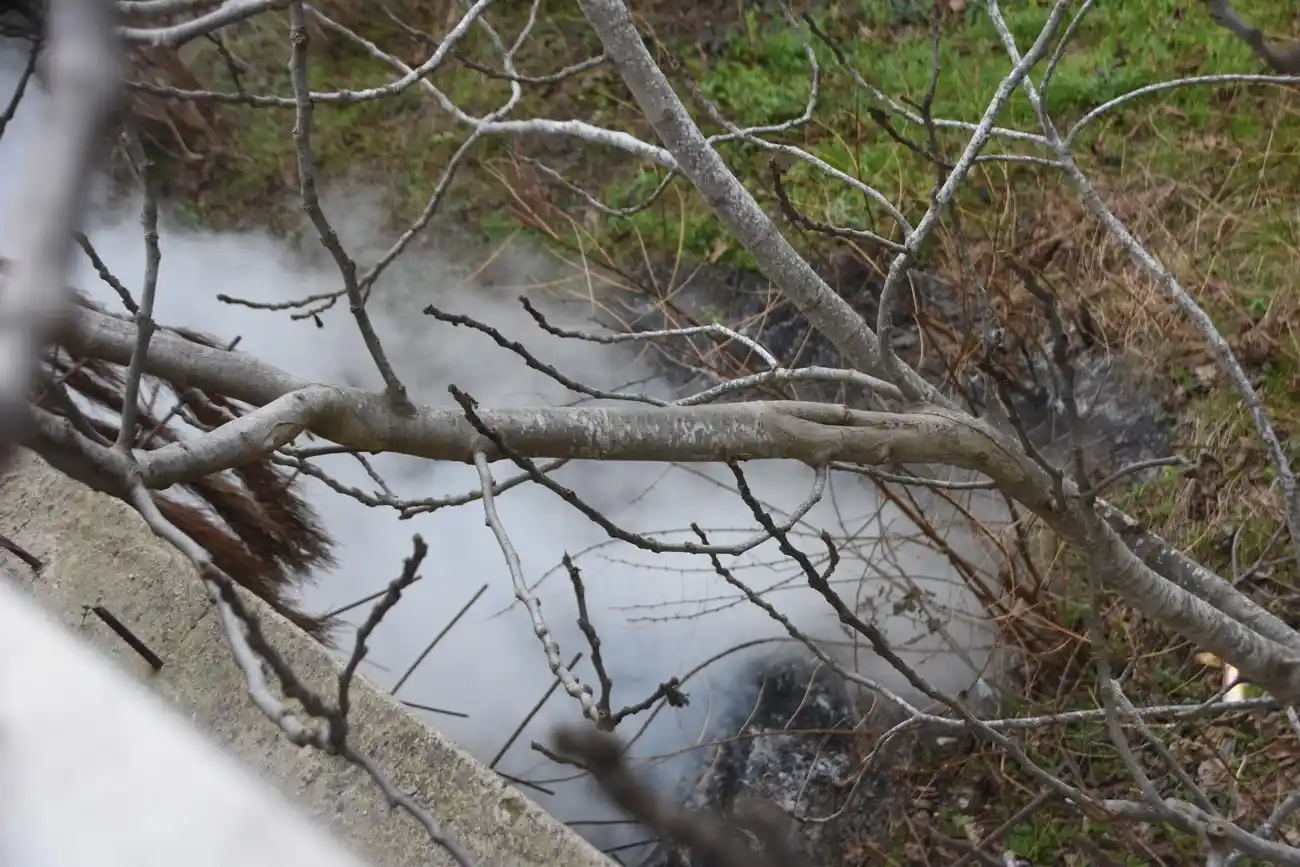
[{"x": 252, "y": 520}]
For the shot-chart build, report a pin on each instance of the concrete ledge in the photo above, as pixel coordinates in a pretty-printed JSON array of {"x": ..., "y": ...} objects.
[{"x": 96, "y": 550}]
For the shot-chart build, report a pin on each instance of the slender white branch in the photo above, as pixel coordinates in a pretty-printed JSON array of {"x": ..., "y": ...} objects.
[
  {"x": 329, "y": 238},
  {"x": 144, "y": 321},
  {"x": 917, "y": 239},
  {"x": 160, "y": 8},
  {"x": 1174, "y": 84},
  {"x": 525, "y": 596},
  {"x": 229, "y": 12},
  {"x": 533, "y": 127}
]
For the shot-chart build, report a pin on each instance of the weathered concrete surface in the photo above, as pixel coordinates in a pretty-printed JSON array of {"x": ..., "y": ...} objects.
[{"x": 97, "y": 551}]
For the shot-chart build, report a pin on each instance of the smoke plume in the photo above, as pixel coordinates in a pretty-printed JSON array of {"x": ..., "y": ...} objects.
[{"x": 658, "y": 615}]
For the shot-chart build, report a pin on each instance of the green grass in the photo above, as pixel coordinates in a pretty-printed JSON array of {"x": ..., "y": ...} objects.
[
  {"x": 759, "y": 75},
  {"x": 401, "y": 145}
]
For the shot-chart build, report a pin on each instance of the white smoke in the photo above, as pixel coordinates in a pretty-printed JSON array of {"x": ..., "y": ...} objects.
[{"x": 659, "y": 615}]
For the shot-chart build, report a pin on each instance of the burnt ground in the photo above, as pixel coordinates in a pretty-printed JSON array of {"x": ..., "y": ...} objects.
[
  {"x": 1125, "y": 410},
  {"x": 794, "y": 741}
]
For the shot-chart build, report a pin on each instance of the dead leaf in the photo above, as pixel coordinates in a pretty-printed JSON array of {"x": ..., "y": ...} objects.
[
  {"x": 720, "y": 248},
  {"x": 1256, "y": 346},
  {"x": 1209, "y": 660},
  {"x": 1206, "y": 374},
  {"x": 1213, "y": 776}
]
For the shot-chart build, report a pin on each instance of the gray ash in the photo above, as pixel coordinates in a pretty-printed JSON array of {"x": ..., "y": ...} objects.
[{"x": 791, "y": 742}]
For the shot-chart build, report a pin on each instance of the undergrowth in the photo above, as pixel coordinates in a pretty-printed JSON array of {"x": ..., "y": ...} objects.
[{"x": 1205, "y": 175}]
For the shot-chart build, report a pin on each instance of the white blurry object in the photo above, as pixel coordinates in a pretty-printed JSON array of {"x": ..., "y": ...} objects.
[{"x": 96, "y": 770}]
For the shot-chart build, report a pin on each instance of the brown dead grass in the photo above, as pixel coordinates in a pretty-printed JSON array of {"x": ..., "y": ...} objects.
[{"x": 1225, "y": 225}]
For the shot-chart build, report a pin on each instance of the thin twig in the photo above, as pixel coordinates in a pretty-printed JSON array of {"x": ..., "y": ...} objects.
[{"x": 464, "y": 609}]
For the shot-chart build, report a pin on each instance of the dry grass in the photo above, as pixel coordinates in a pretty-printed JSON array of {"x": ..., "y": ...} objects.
[{"x": 1219, "y": 211}]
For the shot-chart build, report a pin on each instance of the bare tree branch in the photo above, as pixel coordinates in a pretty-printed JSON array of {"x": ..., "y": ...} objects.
[
  {"x": 912, "y": 425},
  {"x": 1280, "y": 57}
]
